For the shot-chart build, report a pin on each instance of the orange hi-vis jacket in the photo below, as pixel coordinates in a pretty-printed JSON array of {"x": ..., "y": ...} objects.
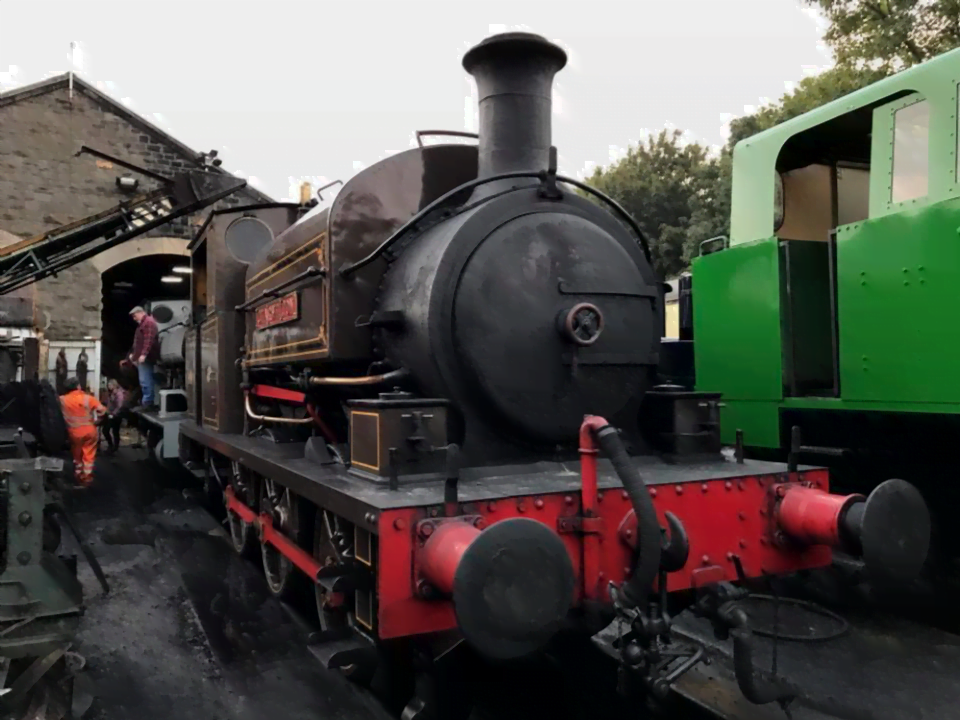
[{"x": 79, "y": 410}]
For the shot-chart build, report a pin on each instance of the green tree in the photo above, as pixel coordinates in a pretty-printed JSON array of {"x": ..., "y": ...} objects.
[
  {"x": 669, "y": 187},
  {"x": 711, "y": 206},
  {"x": 890, "y": 34},
  {"x": 680, "y": 194}
]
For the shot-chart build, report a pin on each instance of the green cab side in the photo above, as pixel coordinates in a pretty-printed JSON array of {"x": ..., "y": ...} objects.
[{"x": 841, "y": 292}]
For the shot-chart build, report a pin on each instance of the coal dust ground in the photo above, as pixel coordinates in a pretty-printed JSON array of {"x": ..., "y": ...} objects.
[{"x": 189, "y": 630}]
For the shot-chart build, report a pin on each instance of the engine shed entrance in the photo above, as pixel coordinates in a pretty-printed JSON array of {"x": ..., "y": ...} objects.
[{"x": 141, "y": 280}]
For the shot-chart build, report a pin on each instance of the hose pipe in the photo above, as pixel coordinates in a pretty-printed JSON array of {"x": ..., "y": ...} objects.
[
  {"x": 636, "y": 588},
  {"x": 755, "y": 688}
]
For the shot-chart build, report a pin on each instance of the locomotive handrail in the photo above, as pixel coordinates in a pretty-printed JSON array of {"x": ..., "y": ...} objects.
[
  {"x": 327, "y": 187},
  {"x": 310, "y": 272},
  {"x": 451, "y": 133},
  {"x": 361, "y": 380},
  {"x": 723, "y": 240},
  {"x": 348, "y": 270}
]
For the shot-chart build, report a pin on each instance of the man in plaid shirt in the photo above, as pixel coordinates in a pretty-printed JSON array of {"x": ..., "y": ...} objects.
[{"x": 145, "y": 352}]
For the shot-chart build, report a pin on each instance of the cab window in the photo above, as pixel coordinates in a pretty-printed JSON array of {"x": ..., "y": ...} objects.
[{"x": 911, "y": 152}]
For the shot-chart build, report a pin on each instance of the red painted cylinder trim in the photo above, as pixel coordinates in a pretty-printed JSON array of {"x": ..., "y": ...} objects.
[
  {"x": 812, "y": 516},
  {"x": 442, "y": 552}
]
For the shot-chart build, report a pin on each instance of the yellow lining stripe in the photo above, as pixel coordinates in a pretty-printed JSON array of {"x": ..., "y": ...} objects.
[
  {"x": 353, "y": 414},
  {"x": 289, "y": 259}
]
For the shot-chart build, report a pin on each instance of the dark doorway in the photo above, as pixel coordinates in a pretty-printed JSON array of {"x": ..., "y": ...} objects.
[{"x": 131, "y": 283}]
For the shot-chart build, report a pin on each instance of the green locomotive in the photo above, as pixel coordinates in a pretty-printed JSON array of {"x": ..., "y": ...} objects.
[{"x": 830, "y": 319}]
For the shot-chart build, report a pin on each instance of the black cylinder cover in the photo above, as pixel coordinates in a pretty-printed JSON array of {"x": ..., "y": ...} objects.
[{"x": 487, "y": 298}]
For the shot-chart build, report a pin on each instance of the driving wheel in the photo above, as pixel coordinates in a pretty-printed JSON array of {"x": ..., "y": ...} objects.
[
  {"x": 281, "y": 504},
  {"x": 243, "y": 535}
]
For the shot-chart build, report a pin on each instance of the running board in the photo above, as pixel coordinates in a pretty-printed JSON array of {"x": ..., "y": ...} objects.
[{"x": 36, "y": 258}]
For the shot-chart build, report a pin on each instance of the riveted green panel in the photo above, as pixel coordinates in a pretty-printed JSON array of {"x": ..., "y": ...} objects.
[
  {"x": 759, "y": 420},
  {"x": 737, "y": 329},
  {"x": 899, "y": 305}
]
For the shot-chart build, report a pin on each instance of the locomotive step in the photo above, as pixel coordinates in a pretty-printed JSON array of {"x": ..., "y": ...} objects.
[
  {"x": 337, "y": 651},
  {"x": 343, "y": 583}
]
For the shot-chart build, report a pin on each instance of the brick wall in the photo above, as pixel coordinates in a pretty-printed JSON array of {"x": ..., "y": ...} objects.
[{"x": 42, "y": 186}]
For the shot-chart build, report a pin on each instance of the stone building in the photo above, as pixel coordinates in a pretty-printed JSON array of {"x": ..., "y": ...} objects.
[{"x": 44, "y": 184}]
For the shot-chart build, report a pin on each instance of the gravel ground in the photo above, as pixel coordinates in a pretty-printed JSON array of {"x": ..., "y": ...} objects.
[{"x": 188, "y": 629}]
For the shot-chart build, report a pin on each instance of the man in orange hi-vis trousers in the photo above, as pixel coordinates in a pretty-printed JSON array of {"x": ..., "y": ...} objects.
[{"x": 80, "y": 410}]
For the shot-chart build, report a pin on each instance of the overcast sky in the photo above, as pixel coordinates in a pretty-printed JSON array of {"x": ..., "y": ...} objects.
[{"x": 288, "y": 90}]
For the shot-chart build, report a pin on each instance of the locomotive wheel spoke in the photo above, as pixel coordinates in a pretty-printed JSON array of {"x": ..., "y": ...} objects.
[
  {"x": 243, "y": 536},
  {"x": 281, "y": 504}
]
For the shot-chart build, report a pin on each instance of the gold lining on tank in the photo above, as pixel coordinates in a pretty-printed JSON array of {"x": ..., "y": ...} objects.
[
  {"x": 353, "y": 414},
  {"x": 259, "y": 356},
  {"x": 321, "y": 337},
  {"x": 289, "y": 356},
  {"x": 288, "y": 260}
]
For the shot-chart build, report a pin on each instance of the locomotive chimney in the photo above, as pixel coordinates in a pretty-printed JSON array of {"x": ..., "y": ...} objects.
[{"x": 514, "y": 74}]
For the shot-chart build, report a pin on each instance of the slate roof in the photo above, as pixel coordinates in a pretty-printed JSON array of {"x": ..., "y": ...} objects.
[{"x": 79, "y": 84}]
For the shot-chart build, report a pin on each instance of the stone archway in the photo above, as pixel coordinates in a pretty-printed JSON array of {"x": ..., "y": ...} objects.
[{"x": 141, "y": 247}]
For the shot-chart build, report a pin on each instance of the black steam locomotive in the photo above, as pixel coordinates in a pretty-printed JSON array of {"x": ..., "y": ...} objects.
[{"x": 436, "y": 404}]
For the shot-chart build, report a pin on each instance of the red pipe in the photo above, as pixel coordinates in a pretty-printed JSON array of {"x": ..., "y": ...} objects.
[
  {"x": 443, "y": 551},
  {"x": 588, "y": 503},
  {"x": 812, "y": 516},
  {"x": 275, "y": 393}
]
